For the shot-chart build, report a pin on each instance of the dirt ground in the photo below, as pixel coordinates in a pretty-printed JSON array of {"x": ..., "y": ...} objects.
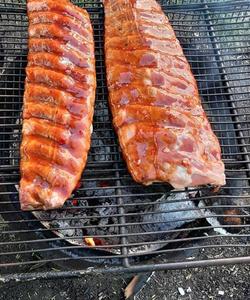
[{"x": 228, "y": 282}]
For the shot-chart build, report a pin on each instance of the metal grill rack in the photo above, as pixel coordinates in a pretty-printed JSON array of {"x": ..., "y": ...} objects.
[{"x": 134, "y": 228}]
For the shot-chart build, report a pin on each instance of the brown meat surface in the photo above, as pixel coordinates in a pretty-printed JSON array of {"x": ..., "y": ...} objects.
[
  {"x": 163, "y": 131},
  {"x": 58, "y": 103}
]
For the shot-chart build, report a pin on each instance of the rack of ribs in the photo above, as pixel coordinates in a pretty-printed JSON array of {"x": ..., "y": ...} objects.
[
  {"x": 162, "y": 128},
  {"x": 58, "y": 103}
]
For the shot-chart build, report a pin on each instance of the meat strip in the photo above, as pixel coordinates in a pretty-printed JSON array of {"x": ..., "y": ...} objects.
[
  {"x": 58, "y": 103},
  {"x": 163, "y": 131}
]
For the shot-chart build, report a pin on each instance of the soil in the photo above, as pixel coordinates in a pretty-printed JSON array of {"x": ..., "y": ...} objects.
[
  {"x": 227, "y": 282},
  {"x": 209, "y": 283}
]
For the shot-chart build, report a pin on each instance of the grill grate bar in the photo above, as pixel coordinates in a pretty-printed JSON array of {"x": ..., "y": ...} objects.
[
  {"x": 208, "y": 115},
  {"x": 226, "y": 246},
  {"x": 120, "y": 215},
  {"x": 201, "y": 94},
  {"x": 193, "y": 61},
  {"x": 206, "y": 237},
  {"x": 138, "y": 195},
  {"x": 120, "y": 205},
  {"x": 185, "y": 230},
  {"x": 129, "y": 224},
  {"x": 132, "y": 245},
  {"x": 150, "y": 203},
  {"x": 197, "y": 76},
  {"x": 135, "y": 185}
]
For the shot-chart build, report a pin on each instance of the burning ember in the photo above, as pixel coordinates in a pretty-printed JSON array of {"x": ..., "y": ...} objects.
[{"x": 90, "y": 242}]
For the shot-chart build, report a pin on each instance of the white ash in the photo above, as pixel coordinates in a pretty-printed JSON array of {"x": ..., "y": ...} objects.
[
  {"x": 221, "y": 293},
  {"x": 181, "y": 291},
  {"x": 212, "y": 220},
  {"x": 72, "y": 221}
]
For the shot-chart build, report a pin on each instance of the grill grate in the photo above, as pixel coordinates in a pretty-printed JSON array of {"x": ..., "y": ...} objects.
[{"x": 130, "y": 224}]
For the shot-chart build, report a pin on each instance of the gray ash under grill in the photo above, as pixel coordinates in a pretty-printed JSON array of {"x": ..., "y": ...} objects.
[{"x": 99, "y": 219}]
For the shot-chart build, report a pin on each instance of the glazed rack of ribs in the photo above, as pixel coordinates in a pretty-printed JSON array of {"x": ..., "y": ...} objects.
[
  {"x": 58, "y": 103},
  {"x": 110, "y": 222}
]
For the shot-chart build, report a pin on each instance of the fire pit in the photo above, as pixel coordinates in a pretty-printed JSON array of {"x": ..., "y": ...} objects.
[{"x": 110, "y": 222}]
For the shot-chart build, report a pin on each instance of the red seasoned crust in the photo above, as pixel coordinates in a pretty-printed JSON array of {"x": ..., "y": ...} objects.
[
  {"x": 58, "y": 103},
  {"x": 162, "y": 128}
]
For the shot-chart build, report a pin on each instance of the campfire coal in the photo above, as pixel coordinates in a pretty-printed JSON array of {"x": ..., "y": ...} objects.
[{"x": 90, "y": 217}]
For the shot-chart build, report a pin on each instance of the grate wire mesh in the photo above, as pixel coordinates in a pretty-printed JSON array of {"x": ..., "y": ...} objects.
[{"x": 135, "y": 228}]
